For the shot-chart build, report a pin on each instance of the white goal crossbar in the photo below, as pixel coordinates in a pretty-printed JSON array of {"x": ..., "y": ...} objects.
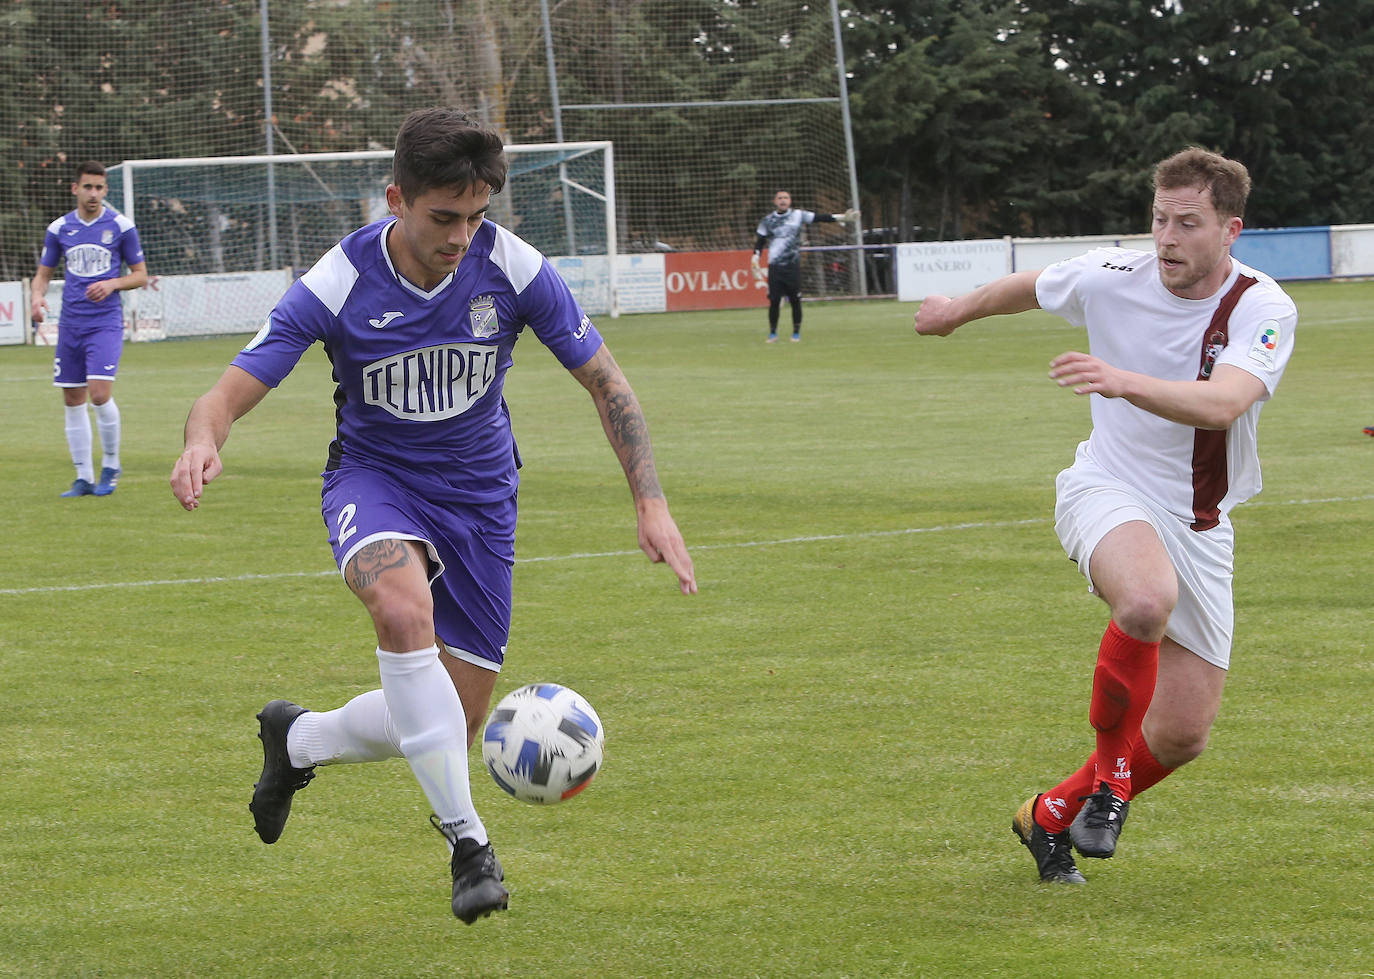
[{"x": 227, "y": 213}]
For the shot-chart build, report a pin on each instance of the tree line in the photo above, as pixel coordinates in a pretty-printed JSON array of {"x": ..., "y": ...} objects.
[{"x": 1043, "y": 118}]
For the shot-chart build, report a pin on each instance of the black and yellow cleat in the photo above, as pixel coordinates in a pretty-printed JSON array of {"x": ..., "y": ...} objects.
[{"x": 1052, "y": 852}]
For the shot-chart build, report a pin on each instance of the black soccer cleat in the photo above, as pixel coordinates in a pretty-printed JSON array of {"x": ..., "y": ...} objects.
[
  {"x": 279, "y": 781},
  {"x": 477, "y": 876},
  {"x": 1053, "y": 855},
  {"x": 1098, "y": 824}
]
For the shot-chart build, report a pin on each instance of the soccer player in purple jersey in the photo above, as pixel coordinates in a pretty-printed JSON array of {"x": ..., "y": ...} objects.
[
  {"x": 94, "y": 243},
  {"x": 419, "y": 313}
]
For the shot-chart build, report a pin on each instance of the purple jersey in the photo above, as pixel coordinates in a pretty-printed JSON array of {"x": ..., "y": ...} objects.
[
  {"x": 90, "y": 253},
  {"x": 420, "y": 374}
]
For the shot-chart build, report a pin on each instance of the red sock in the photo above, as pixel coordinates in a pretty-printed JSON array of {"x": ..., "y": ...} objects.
[
  {"x": 1145, "y": 769},
  {"x": 1123, "y": 684},
  {"x": 1059, "y": 805}
]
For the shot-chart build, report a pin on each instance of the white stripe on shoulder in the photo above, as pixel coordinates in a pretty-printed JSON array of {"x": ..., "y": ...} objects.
[
  {"x": 56, "y": 226},
  {"x": 331, "y": 279},
  {"x": 123, "y": 222},
  {"x": 517, "y": 258}
]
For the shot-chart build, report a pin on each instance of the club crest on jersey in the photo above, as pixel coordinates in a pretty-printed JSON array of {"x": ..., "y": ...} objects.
[
  {"x": 106, "y": 236},
  {"x": 1216, "y": 343},
  {"x": 482, "y": 316},
  {"x": 1264, "y": 351}
]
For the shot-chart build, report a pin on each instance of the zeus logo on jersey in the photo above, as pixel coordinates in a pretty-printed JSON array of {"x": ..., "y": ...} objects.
[
  {"x": 432, "y": 383},
  {"x": 88, "y": 260}
]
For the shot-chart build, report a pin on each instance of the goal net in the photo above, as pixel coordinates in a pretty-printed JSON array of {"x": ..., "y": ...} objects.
[{"x": 226, "y": 235}]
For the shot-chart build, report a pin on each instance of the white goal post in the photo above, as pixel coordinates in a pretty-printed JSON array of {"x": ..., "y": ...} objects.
[{"x": 225, "y": 236}]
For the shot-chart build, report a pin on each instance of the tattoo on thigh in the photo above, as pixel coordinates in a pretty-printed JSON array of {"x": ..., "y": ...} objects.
[{"x": 365, "y": 567}]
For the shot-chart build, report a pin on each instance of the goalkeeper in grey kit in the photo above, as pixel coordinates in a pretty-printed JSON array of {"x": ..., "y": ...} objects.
[{"x": 780, "y": 232}]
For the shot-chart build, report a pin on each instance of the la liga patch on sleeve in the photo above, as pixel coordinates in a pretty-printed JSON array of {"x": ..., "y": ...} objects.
[{"x": 1265, "y": 350}]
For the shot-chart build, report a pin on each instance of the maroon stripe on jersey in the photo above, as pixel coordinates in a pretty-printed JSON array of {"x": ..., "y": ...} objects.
[{"x": 1209, "y": 445}]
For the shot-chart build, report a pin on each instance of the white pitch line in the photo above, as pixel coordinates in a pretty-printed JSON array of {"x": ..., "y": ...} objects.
[{"x": 585, "y": 555}]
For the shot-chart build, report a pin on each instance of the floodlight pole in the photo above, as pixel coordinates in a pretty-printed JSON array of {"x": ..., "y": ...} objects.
[
  {"x": 558, "y": 126},
  {"x": 267, "y": 131},
  {"x": 848, "y": 146}
]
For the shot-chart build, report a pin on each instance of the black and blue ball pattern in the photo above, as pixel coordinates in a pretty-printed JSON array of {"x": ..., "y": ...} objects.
[{"x": 543, "y": 743}]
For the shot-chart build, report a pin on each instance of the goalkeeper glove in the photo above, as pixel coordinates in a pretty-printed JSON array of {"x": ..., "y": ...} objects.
[
  {"x": 848, "y": 217},
  {"x": 759, "y": 274}
]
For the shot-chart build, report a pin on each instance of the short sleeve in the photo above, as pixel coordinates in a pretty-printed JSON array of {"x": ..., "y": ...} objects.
[
  {"x": 52, "y": 250},
  {"x": 297, "y": 321},
  {"x": 1056, "y": 290},
  {"x": 130, "y": 248},
  {"x": 551, "y": 311},
  {"x": 1261, "y": 335}
]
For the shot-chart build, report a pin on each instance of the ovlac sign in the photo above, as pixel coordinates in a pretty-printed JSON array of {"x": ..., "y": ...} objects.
[{"x": 711, "y": 280}]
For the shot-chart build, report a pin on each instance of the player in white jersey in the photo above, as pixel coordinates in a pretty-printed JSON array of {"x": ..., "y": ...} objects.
[
  {"x": 1185, "y": 346},
  {"x": 418, "y": 314},
  {"x": 780, "y": 232},
  {"x": 93, "y": 244}
]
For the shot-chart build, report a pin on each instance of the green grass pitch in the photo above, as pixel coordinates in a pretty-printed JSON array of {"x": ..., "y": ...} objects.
[{"x": 811, "y": 766}]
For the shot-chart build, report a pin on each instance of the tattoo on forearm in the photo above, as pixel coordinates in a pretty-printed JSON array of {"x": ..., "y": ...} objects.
[
  {"x": 628, "y": 431},
  {"x": 365, "y": 567}
]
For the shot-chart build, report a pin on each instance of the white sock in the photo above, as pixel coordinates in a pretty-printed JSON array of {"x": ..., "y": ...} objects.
[
  {"x": 78, "y": 425},
  {"x": 360, "y": 730},
  {"x": 107, "y": 420},
  {"x": 428, "y": 716}
]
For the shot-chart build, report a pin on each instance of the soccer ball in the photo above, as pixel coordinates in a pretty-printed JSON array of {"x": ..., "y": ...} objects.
[{"x": 543, "y": 743}]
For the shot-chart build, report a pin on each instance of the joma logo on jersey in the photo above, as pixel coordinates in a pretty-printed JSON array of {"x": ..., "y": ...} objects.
[
  {"x": 482, "y": 316},
  {"x": 431, "y": 384},
  {"x": 379, "y": 324},
  {"x": 88, "y": 260}
]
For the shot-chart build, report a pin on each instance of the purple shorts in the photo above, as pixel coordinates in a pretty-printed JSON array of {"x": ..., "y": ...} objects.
[
  {"x": 471, "y": 551},
  {"x": 87, "y": 352}
]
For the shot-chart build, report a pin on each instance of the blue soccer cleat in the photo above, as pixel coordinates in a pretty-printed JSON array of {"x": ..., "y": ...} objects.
[
  {"x": 80, "y": 487},
  {"x": 109, "y": 479}
]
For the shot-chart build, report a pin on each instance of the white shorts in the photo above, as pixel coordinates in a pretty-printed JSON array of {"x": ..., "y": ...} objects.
[{"x": 1090, "y": 502}]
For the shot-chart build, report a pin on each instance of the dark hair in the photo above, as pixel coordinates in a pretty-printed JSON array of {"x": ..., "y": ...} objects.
[
  {"x": 1228, "y": 180},
  {"x": 92, "y": 167},
  {"x": 446, "y": 148}
]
